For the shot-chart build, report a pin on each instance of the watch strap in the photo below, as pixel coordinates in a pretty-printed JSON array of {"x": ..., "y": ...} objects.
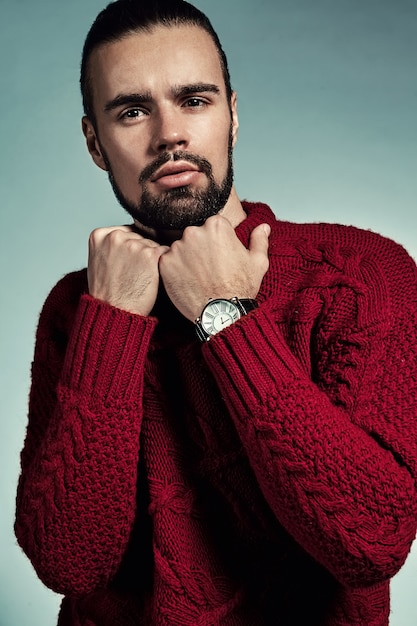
[{"x": 248, "y": 304}]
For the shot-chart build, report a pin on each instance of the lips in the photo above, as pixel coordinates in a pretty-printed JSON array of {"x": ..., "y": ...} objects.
[
  {"x": 176, "y": 174},
  {"x": 174, "y": 169}
]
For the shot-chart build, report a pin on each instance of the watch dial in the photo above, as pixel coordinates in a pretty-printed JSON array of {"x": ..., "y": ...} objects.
[{"x": 218, "y": 314}]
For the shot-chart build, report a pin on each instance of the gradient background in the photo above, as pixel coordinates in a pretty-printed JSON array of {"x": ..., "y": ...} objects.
[{"x": 327, "y": 102}]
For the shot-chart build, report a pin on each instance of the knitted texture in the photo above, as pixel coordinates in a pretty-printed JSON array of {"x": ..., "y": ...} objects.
[{"x": 266, "y": 477}]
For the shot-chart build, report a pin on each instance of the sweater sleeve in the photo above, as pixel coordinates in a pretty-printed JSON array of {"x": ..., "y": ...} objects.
[
  {"x": 333, "y": 448},
  {"x": 77, "y": 491}
]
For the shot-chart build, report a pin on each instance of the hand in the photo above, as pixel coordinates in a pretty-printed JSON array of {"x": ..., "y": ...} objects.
[
  {"x": 209, "y": 261},
  {"x": 123, "y": 268}
]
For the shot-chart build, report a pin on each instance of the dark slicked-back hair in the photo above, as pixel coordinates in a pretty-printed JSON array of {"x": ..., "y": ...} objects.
[{"x": 125, "y": 17}]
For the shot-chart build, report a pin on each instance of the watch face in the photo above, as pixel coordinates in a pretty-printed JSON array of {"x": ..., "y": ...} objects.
[{"x": 218, "y": 314}]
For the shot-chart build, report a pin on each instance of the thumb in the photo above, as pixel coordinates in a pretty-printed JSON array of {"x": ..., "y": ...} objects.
[{"x": 259, "y": 241}]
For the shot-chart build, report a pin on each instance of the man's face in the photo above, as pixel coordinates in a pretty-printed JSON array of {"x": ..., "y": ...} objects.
[{"x": 164, "y": 126}]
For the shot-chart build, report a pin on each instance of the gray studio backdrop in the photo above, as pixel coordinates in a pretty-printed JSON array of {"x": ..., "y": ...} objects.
[{"x": 327, "y": 102}]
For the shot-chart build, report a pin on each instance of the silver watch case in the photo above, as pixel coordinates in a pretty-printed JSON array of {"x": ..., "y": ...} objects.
[{"x": 220, "y": 313}]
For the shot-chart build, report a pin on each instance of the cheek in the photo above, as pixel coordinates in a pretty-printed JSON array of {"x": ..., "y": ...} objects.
[
  {"x": 125, "y": 162},
  {"x": 215, "y": 146},
  {"x": 220, "y": 160}
]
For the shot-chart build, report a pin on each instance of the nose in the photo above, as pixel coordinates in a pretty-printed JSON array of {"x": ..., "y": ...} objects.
[{"x": 170, "y": 132}]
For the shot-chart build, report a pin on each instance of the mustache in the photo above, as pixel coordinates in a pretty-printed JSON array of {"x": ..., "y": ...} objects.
[{"x": 202, "y": 163}]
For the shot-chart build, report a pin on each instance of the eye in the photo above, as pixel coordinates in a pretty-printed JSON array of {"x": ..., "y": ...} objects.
[
  {"x": 132, "y": 114},
  {"x": 195, "y": 102}
]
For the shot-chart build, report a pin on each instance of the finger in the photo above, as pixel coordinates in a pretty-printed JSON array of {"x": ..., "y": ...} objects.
[
  {"x": 259, "y": 239},
  {"x": 99, "y": 234},
  {"x": 126, "y": 228}
]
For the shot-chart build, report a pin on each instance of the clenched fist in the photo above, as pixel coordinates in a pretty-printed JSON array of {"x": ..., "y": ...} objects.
[
  {"x": 123, "y": 268},
  {"x": 209, "y": 261}
]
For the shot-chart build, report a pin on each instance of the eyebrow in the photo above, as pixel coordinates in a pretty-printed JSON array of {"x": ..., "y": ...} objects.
[
  {"x": 187, "y": 90},
  {"x": 177, "y": 91}
]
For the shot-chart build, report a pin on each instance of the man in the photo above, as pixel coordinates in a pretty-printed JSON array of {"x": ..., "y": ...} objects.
[{"x": 222, "y": 415}]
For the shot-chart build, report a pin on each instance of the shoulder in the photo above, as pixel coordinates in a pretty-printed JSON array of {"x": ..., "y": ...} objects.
[
  {"x": 347, "y": 239},
  {"x": 323, "y": 236},
  {"x": 376, "y": 261},
  {"x": 327, "y": 253},
  {"x": 62, "y": 302}
]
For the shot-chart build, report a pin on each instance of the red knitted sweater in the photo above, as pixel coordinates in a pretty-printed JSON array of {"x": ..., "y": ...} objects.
[{"x": 265, "y": 477}]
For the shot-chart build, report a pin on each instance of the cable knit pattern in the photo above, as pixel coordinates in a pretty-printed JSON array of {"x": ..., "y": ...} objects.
[{"x": 266, "y": 477}]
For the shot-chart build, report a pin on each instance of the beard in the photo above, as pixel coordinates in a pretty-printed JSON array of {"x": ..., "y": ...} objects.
[{"x": 177, "y": 208}]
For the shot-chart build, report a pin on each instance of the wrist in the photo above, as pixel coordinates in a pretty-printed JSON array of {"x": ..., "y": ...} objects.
[{"x": 219, "y": 313}]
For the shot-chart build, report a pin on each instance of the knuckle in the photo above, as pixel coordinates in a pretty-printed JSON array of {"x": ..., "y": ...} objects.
[
  {"x": 189, "y": 234},
  {"x": 115, "y": 235},
  {"x": 150, "y": 253},
  {"x": 95, "y": 235},
  {"x": 265, "y": 264},
  {"x": 130, "y": 245},
  {"x": 173, "y": 247},
  {"x": 217, "y": 221}
]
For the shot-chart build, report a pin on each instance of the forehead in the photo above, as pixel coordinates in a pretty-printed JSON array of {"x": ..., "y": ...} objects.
[{"x": 154, "y": 60}]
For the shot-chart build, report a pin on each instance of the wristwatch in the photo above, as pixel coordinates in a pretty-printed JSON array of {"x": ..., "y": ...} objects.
[{"x": 220, "y": 313}]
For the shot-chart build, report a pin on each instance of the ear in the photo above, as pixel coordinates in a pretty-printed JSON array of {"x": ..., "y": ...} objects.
[
  {"x": 93, "y": 144},
  {"x": 235, "y": 119}
]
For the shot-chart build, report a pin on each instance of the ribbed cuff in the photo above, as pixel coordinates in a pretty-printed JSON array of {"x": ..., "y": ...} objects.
[
  {"x": 107, "y": 350},
  {"x": 250, "y": 357}
]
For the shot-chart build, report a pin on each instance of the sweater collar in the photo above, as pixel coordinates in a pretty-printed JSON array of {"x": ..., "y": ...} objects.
[{"x": 256, "y": 213}]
